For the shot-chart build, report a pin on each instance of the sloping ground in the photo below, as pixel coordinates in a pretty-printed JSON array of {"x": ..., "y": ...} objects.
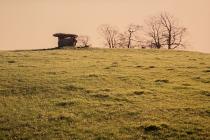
[{"x": 104, "y": 94}]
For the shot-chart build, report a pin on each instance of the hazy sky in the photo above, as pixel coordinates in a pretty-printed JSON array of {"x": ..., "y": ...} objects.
[{"x": 27, "y": 24}]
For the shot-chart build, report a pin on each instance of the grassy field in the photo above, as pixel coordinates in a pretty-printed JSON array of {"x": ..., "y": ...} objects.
[{"x": 104, "y": 94}]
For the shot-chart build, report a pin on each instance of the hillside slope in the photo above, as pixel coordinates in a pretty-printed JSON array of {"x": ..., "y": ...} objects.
[{"x": 104, "y": 94}]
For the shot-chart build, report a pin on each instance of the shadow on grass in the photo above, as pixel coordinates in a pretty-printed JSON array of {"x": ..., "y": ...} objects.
[
  {"x": 65, "y": 103},
  {"x": 207, "y": 71},
  {"x": 205, "y": 93},
  {"x": 55, "y": 48},
  {"x": 73, "y": 88},
  {"x": 11, "y": 61},
  {"x": 160, "y": 81}
]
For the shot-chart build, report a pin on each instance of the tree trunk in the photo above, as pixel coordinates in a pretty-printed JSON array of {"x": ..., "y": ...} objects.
[{"x": 129, "y": 40}]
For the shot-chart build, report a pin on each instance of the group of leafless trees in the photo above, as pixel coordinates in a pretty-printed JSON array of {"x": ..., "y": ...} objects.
[{"x": 161, "y": 31}]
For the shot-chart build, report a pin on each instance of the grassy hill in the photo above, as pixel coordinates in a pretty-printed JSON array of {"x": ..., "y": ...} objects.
[{"x": 104, "y": 94}]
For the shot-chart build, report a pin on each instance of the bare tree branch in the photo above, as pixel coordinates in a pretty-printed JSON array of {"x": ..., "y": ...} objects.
[
  {"x": 173, "y": 32},
  {"x": 155, "y": 31},
  {"x": 165, "y": 31},
  {"x": 109, "y": 33}
]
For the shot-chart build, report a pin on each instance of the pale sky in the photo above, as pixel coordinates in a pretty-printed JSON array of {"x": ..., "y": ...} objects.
[{"x": 29, "y": 24}]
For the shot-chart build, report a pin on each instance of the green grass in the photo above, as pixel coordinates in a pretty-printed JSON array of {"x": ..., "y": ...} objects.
[{"x": 104, "y": 94}]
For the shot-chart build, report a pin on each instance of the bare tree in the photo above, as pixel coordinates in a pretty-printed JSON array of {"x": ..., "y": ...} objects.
[
  {"x": 165, "y": 31},
  {"x": 83, "y": 41},
  {"x": 131, "y": 30},
  {"x": 173, "y": 33},
  {"x": 155, "y": 32},
  {"x": 129, "y": 37},
  {"x": 122, "y": 40},
  {"x": 109, "y": 33}
]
